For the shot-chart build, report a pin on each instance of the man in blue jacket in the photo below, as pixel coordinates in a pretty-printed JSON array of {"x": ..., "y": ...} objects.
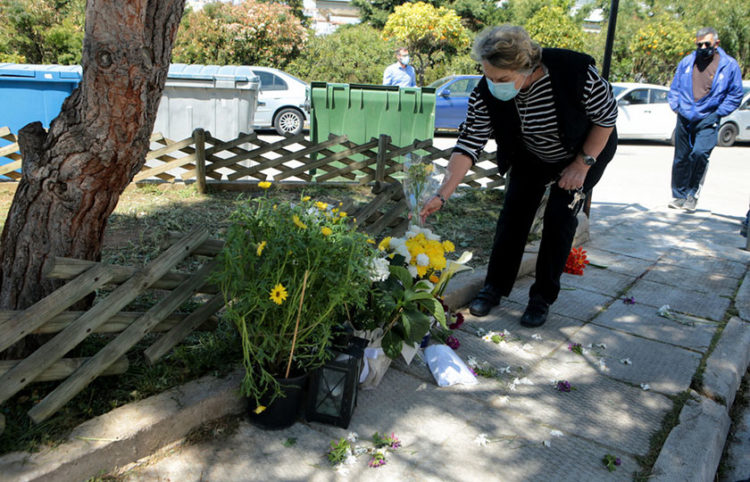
[{"x": 706, "y": 87}]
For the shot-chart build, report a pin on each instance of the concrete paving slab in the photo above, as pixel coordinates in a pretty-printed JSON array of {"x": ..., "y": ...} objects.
[
  {"x": 574, "y": 303},
  {"x": 640, "y": 247},
  {"x": 599, "y": 408},
  {"x": 737, "y": 462},
  {"x": 742, "y": 300},
  {"x": 704, "y": 262},
  {"x": 642, "y": 320},
  {"x": 666, "y": 369},
  {"x": 616, "y": 262},
  {"x": 733, "y": 250},
  {"x": 598, "y": 280},
  {"x": 684, "y": 300},
  {"x": 712, "y": 282},
  {"x": 728, "y": 362}
]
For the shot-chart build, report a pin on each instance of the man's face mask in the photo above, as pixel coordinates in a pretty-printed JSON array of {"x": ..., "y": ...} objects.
[
  {"x": 405, "y": 59},
  {"x": 704, "y": 50}
]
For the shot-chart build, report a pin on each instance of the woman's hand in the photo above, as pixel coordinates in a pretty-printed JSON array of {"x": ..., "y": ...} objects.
[
  {"x": 431, "y": 206},
  {"x": 572, "y": 177}
]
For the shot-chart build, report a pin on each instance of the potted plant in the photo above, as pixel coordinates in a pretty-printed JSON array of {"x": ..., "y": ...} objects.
[{"x": 289, "y": 272}]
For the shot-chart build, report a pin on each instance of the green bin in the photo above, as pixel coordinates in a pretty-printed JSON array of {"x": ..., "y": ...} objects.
[{"x": 363, "y": 111}]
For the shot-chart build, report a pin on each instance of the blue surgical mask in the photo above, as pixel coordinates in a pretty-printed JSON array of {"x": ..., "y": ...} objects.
[
  {"x": 502, "y": 90},
  {"x": 405, "y": 60}
]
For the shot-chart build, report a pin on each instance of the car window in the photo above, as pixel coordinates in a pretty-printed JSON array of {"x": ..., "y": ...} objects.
[
  {"x": 617, "y": 90},
  {"x": 637, "y": 96},
  {"x": 269, "y": 81},
  {"x": 439, "y": 82},
  {"x": 461, "y": 88},
  {"x": 473, "y": 84},
  {"x": 659, "y": 96}
]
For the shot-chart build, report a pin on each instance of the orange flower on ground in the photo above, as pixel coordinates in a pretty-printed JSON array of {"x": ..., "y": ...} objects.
[{"x": 576, "y": 261}]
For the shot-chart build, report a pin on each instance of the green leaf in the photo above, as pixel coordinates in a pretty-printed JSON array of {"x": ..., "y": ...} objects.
[
  {"x": 392, "y": 345},
  {"x": 420, "y": 325},
  {"x": 433, "y": 306},
  {"x": 402, "y": 274}
]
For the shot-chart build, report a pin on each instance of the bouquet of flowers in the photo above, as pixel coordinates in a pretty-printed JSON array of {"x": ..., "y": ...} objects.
[{"x": 420, "y": 183}]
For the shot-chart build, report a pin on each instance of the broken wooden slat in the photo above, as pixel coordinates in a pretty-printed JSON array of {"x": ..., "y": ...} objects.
[
  {"x": 26, "y": 321},
  {"x": 116, "y": 348},
  {"x": 26, "y": 371},
  {"x": 61, "y": 369},
  {"x": 167, "y": 341},
  {"x": 114, "y": 325}
]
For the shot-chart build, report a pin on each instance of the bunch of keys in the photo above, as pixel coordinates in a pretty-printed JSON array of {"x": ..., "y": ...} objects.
[{"x": 578, "y": 197}]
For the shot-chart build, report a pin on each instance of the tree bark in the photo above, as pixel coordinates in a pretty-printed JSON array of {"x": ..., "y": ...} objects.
[{"x": 74, "y": 174}]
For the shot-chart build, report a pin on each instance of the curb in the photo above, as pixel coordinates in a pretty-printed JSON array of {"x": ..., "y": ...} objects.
[
  {"x": 128, "y": 433},
  {"x": 137, "y": 430}
]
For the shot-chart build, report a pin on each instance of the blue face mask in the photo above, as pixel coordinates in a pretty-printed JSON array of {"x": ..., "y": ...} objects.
[{"x": 504, "y": 90}]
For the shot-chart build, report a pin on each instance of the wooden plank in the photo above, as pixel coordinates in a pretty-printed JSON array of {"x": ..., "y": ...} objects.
[
  {"x": 225, "y": 146},
  {"x": 266, "y": 147},
  {"x": 62, "y": 369},
  {"x": 11, "y": 166},
  {"x": 26, "y": 371},
  {"x": 65, "y": 268},
  {"x": 387, "y": 218},
  {"x": 292, "y": 156},
  {"x": 169, "y": 148},
  {"x": 114, "y": 325},
  {"x": 327, "y": 160},
  {"x": 167, "y": 341},
  {"x": 118, "y": 347},
  {"x": 379, "y": 201},
  {"x": 358, "y": 165},
  {"x": 153, "y": 171},
  {"x": 199, "y": 138},
  {"x": 9, "y": 149},
  {"x": 4, "y": 131},
  {"x": 209, "y": 247},
  {"x": 26, "y": 321}
]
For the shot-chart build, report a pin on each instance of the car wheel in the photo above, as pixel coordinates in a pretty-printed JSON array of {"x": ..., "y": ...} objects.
[
  {"x": 727, "y": 135},
  {"x": 288, "y": 121}
]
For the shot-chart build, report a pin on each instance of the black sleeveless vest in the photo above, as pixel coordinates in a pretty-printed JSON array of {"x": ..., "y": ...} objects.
[{"x": 568, "y": 71}]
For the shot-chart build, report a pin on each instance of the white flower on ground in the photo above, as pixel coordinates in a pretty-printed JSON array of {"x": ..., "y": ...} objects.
[
  {"x": 626, "y": 361},
  {"x": 480, "y": 332},
  {"x": 602, "y": 365},
  {"x": 472, "y": 362},
  {"x": 481, "y": 440},
  {"x": 504, "y": 370},
  {"x": 556, "y": 433},
  {"x": 645, "y": 386},
  {"x": 352, "y": 437},
  {"x": 536, "y": 337},
  {"x": 664, "y": 311},
  {"x": 504, "y": 400},
  {"x": 546, "y": 443}
]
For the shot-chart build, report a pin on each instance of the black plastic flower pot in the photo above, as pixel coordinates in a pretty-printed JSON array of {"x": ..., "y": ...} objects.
[{"x": 284, "y": 411}]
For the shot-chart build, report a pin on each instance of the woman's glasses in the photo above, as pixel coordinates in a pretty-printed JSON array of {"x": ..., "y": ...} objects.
[{"x": 704, "y": 45}]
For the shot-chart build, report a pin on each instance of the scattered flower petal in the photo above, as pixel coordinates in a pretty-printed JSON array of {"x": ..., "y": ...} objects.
[
  {"x": 556, "y": 433},
  {"x": 546, "y": 443},
  {"x": 626, "y": 361},
  {"x": 536, "y": 337},
  {"x": 481, "y": 440},
  {"x": 645, "y": 386}
]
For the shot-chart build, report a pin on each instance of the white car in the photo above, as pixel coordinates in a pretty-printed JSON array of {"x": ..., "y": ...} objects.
[
  {"x": 643, "y": 112},
  {"x": 281, "y": 101},
  {"x": 736, "y": 126}
]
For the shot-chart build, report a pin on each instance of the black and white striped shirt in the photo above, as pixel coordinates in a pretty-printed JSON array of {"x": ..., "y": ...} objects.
[{"x": 536, "y": 110}]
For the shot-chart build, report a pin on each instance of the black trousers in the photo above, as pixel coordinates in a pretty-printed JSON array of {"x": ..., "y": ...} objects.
[{"x": 526, "y": 185}]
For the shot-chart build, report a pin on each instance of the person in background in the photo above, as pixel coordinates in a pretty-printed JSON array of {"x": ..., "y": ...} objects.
[
  {"x": 401, "y": 73},
  {"x": 553, "y": 118},
  {"x": 706, "y": 87}
]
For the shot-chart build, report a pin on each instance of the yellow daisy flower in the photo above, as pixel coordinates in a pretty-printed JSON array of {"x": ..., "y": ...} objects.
[
  {"x": 278, "y": 294},
  {"x": 448, "y": 246},
  {"x": 321, "y": 205},
  {"x": 264, "y": 184},
  {"x": 298, "y": 223},
  {"x": 385, "y": 243},
  {"x": 259, "y": 250},
  {"x": 306, "y": 198},
  {"x": 343, "y": 214},
  {"x": 370, "y": 241},
  {"x": 326, "y": 231},
  {"x": 259, "y": 409}
]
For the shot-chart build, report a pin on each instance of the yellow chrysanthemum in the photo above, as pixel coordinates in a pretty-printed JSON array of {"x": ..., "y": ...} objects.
[
  {"x": 298, "y": 223},
  {"x": 422, "y": 270},
  {"x": 264, "y": 184},
  {"x": 278, "y": 294},
  {"x": 342, "y": 214},
  {"x": 259, "y": 409},
  {"x": 448, "y": 246},
  {"x": 326, "y": 231},
  {"x": 385, "y": 243},
  {"x": 321, "y": 205},
  {"x": 306, "y": 198},
  {"x": 259, "y": 250}
]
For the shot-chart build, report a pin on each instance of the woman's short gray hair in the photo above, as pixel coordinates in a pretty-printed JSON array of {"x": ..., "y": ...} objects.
[{"x": 507, "y": 47}]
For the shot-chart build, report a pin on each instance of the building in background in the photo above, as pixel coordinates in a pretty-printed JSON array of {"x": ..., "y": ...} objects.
[{"x": 327, "y": 15}]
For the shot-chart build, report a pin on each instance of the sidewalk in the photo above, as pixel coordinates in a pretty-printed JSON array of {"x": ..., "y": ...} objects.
[
  {"x": 690, "y": 262},
  {"x": 518, "y": 426}
]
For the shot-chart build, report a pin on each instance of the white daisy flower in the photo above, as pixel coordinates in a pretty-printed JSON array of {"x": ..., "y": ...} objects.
[
  {"x": 645, "y": 386},
  {"x": 481, "y": 440}
]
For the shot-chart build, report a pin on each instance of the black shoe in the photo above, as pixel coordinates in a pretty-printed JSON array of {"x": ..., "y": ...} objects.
[
  {"x": 484, "y": 301},
  {"x": 536, "y": 313}
]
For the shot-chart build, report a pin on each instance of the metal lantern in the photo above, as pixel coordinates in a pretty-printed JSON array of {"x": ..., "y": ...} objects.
[{"x": 333, "y": 387}]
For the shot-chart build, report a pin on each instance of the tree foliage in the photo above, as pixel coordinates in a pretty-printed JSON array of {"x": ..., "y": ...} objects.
[
  {"x": 352, "y": 54},
  {"x": 41, "y": 31},
  {"x": 552, "y": 27},
  {"x": 656, "y": 49},
  {"x": 250, "y": 33},
  {"x": 427, "y": 31}
]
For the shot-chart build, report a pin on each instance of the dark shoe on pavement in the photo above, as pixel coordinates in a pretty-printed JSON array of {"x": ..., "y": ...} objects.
[
  {"x": 536, "y": 312},
  {"x": 690, "y": 204},
  {"x": 486, "y": 299},
  {"x": 676, "y": 203}
]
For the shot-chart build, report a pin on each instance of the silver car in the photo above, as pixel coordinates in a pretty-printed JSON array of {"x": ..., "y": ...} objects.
[
  {"x": 643, "y": 112},
  {"x": 281, "y": 101},
  {"x": 736, "y": 126}
]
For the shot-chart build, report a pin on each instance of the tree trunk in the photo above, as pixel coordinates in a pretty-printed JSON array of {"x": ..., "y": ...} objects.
[{"x": 74, "y": 174}]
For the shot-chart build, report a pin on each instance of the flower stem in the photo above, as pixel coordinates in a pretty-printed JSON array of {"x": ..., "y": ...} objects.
[{"x": 296, "y": 326}]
